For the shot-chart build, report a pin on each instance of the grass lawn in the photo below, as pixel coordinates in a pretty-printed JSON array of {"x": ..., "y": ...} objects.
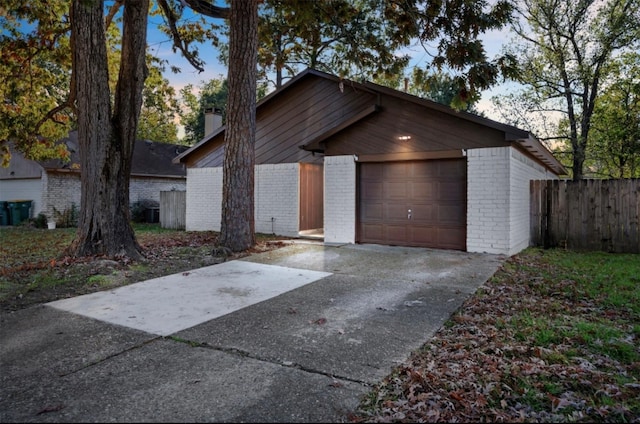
[{"x": 553, "y": 336}]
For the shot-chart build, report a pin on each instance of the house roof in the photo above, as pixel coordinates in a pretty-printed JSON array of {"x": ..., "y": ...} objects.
[
  {"x": 512, "y": 134},
  {"x": 151, "y": 159}
]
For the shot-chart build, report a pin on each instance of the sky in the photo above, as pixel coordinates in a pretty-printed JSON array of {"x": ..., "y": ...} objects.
[{"x": 161, "y": 46}]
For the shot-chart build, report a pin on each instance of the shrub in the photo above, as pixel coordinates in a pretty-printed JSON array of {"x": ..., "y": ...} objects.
[{"x": 67, "y": 218}]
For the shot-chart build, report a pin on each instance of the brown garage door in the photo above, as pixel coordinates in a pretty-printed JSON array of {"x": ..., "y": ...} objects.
[{"x": 421, "y": 203}]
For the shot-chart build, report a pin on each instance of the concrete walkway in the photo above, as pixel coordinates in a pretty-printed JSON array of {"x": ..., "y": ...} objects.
[{"x": 297, "y": 334}]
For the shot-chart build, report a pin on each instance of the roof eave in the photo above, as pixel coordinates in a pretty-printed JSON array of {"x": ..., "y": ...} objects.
[{"x": 541, "y": 153}]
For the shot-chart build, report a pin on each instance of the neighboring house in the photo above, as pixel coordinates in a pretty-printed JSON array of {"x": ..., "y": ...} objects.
[
  {"x": 368, "y": 164},
  {"x": 56, "y": 184}
]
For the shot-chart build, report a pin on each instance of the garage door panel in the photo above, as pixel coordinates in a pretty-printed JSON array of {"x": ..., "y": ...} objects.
[
  {"x": 373, "y": 212},
  {"x": 449, "y": 237},
  {"x": 395, "y": 212},
  {"x": 424, "y": 190},
  {"x": 374, "y": 232},
  {"x": 424, "y": 214},
  {"x": 451, "y": 190},
  {"x": 395, "y": 190},
  {"x": 425, "y": 236},
  {"x": 396, "y": 234},
  {"x": 395, "y": 170},
  {"x": 435, "y": 191},
  {"x": 372, "y": 190},
  {"x": 373, "y": 170},
  {"x": 424, "y": 170},
  {"x": 450, "y": 214}
]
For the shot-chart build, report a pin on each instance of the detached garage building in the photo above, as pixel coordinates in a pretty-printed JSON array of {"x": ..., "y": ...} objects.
[{"x": 367, "y": 164}]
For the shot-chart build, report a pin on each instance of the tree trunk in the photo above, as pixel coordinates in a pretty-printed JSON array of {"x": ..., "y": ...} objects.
[
  {"x": 106, "y": 139},
  {"x": 579, "y": 147},
  {"x": 237, "y": 227}
]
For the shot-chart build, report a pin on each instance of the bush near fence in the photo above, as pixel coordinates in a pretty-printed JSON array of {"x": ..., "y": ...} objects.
[{"x": 596, "y": 215}]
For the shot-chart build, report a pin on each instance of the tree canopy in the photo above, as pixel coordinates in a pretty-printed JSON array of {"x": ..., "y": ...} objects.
[
  {"x": 106, "y": 94},
  {"x": 565, "y": 49}
]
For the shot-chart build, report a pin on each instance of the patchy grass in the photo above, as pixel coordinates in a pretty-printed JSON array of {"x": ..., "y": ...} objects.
[
  {"x": 553, "y": 336},
  {"x": 35, "y": 269}
]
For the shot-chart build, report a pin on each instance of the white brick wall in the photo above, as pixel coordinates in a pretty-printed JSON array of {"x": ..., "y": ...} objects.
[
  {"x": 488, "y": 200},
  {"x": 204, "y": 199},
  {"x": 522, "y": 170},
  {"x": 276, "y": 199},
  {"x": 61, "y": 190},
  {"x": 149, "y": 188},
  {"x": 498, "y": 199},
  {"x": 339, "y": 199}
]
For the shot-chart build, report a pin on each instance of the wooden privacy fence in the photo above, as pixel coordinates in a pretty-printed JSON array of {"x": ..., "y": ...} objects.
[
  {"x": 601, "y": 215},
  {"x": 173, "y": 209}
]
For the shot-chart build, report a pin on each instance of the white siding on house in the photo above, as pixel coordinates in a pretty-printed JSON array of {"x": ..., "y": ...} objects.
[
  {"x": 488, "y": 200},
  {"x": 522, "y": 171},
  {"x": 204, "y": 199},
  {"x": 61, "y": 190},
  {"x": 339, "y": 199},
  {"x": 498, "y": 199},
  {"x": 276, "y": 199},
  {"x": 23, "y": 189}
]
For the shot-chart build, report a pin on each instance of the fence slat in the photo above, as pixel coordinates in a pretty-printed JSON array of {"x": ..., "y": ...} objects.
[
  {"x": 586, "y": 215},
  {"x": 173, "y": 209}
]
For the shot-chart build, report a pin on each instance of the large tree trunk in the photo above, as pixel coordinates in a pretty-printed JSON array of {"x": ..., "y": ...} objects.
[
  {"x": 107, "y": 137},
  {"x": 237, "y": 228}
]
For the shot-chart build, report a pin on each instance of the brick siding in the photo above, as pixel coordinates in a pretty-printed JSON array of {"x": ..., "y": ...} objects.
[
  {"x": 340, "y": 199},
  {"x": 498, "y": 199},
  {"x": 276, "y": 199}
]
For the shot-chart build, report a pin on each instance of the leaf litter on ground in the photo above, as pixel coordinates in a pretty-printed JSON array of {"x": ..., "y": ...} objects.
[{"x": 524, "y": 348}]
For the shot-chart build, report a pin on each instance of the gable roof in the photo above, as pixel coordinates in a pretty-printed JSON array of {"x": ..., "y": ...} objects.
[
  {"x": 150, "y": 159},
  {"x": 316, "y": 142}
]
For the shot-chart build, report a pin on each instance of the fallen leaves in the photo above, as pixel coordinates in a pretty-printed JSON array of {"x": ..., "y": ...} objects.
[{"x": 487, "y": 364}]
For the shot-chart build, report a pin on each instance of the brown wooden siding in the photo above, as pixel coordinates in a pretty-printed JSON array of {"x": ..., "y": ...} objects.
[
  {"x": 299, "y": 118},
  {"x": 211, "y": 156},
  {"x": 416, "y": 203},
  {"x": 430, "y": 130},
  {"x": 311, "y": 196}
]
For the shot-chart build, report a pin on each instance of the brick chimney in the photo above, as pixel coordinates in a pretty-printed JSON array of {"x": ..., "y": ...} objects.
[{"x": 212, "y": 119}]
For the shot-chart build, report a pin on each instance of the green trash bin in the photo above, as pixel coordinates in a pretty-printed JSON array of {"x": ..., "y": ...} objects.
[
  {"x": 4, "y": 213},
  {"x": 19, "y": 210}
]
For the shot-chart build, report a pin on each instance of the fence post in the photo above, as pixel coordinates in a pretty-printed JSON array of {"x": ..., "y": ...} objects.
[{"x": 546, "y": 214}]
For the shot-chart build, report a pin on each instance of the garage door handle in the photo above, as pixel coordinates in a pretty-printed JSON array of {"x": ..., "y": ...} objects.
[{"x": 409, "y": 214}]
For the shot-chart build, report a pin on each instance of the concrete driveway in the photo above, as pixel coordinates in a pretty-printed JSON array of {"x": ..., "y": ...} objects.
[{"x": 298, "y": 334}]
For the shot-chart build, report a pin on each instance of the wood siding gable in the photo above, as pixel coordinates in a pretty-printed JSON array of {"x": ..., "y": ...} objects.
[
  {"x": 314, "y": 106},
  {"x": 404, "y": 127}
]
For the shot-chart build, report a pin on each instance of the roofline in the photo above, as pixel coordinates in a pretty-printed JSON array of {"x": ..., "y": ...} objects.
[
  {"x": 513, "y": 134},
  {"x": 133, "y": 174},
  {"x": 542, "y": 154},
  {"x": 265, "y": 99}
]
